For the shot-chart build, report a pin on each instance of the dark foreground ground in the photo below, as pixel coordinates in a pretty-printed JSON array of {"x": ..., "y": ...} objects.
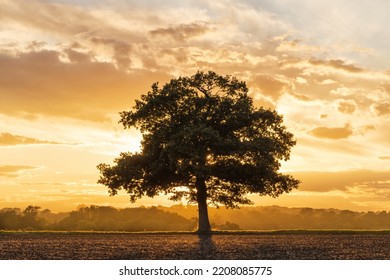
[{"x": 271, "y": 246}]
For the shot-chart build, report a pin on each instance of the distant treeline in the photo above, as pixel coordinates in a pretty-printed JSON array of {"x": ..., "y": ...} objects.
[
  {"x": 183, "y": 218},
  {"x": 279, "y": 218},
  {"x": 99, "y": 218}
]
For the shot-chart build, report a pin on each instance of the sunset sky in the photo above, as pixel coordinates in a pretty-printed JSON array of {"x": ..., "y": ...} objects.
[{"x": 68, "y": 67}]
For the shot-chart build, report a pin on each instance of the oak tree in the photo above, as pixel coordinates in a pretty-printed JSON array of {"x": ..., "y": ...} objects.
[{"x": 203, "y": 141}]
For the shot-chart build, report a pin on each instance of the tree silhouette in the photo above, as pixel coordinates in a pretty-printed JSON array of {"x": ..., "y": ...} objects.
[{"x": 203, "y": 140}]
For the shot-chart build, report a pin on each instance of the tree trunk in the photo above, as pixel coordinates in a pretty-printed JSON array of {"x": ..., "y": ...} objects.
[{"x": 203, "y": 216}]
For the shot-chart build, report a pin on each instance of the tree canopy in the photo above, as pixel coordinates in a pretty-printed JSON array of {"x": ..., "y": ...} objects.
[{"x": 204, "y": 141}]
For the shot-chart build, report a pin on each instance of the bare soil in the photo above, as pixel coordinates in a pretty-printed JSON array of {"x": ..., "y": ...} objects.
[{"x": 165, "y": 246}]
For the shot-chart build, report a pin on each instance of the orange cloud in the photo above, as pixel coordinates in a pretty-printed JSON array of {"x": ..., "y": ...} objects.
[
  {"x": 41, "y": 83},
  {"x": 337, "y": 64},
  {"x": 382, "y": 109},
  {"x": 332, "y": 132},
  {"x": 384, "y": 158},
  {"x": 52, "y": 17},
  {"x": 13, "y": 170},
  {"x": 182, "y": 32},
  {"x": 268, "y": 85},
  {"x": 121, "y": 50},
  {"x": 8, "y": 139},
  {"x": 328, "y": 181},
  {"x": 347, "y": 106},
  {"x": 298, "y": 46}
]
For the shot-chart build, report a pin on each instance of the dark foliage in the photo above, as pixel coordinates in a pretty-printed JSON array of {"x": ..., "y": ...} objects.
[
  {"x": 203, "y": 140},
  {"x": 14, "y": 218}
]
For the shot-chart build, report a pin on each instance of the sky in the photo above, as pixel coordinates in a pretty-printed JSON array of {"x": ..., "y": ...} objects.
[{"x": 68, "y": 67}]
